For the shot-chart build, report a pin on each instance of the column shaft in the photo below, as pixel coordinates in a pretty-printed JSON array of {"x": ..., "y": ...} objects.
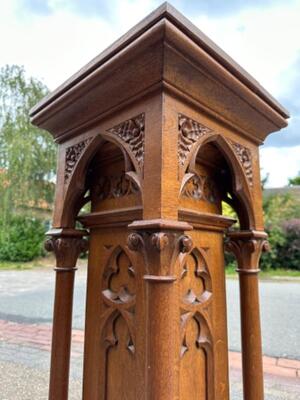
[
  {"x": 61, "y": 335},
  {"x": 163, "y": 342},
  {"x": 247, "y": 247},
  {"x": 251, "y": 337}
]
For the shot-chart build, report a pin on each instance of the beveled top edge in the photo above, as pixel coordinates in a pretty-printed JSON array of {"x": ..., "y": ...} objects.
[
  {"x": 216, "y": 220},
  {"x": 247, "y": 234},
  {"x": 160, "y": 224},
  {"x": 180, "y": 21},
  {"x": 66, "y": 232}
]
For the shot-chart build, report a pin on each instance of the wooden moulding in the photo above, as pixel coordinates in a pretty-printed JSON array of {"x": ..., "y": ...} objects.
[
  {"x": 151, "y": 56},
  {"x": 205, "y": 221},
  {"x": 112, "y": 218},
  {"x": 188, "y": 219}
]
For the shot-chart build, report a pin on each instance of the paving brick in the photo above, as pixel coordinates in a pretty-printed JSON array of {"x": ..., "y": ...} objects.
[
  {"x": 280, "y": 371},
  {"x": 283, "y": 362},
  {"x": 31, "y": 343},
  {"x": 269, "y": 360}
]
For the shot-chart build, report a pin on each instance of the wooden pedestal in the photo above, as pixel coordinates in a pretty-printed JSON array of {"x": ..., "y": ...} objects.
[{"x": 154, "y": 135}]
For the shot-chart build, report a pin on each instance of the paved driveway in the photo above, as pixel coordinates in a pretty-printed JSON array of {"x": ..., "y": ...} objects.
[{"x": 27, "y": 296}]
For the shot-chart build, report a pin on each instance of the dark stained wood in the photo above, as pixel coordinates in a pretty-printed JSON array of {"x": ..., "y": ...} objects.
[{"x": 153, "y": 135}]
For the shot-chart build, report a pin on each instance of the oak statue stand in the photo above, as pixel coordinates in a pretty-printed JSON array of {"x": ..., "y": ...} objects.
[{"x": 153, "y": 135}]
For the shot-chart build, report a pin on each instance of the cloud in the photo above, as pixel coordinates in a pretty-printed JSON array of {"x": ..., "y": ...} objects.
[
  {"x": 83, "y": 8},
  {"x": 269, "y": 51},
  {"x": 41, "y": 7},
  {"x": 290, "y": 136},
  {"x": 280, "y": 163},
  {"x": 216, "y": 8}
]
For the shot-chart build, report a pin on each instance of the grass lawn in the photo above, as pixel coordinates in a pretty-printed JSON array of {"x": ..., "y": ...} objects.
[
  {"x": 42, "y": 262},
  {"x": 9, "y": 265},
  {"x": 269, "y": 274}
]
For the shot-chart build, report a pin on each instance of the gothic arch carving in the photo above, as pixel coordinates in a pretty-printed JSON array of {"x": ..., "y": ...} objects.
[
  {"x": 75, "y": 184},
  {"x": 241, "y": 199}
]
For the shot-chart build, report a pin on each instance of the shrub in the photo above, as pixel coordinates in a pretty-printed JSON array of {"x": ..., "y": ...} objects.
[
  {"x": 277, "y": 240},
  {"x": 21, "y": 239},
  {"x": 279, "y": 210},
  {"x": 289, "y": 253}
]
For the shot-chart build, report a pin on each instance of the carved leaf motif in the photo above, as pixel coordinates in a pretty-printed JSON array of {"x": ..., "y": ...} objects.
[
  {"x": 132, "y": 132},
  {"x": 245, "y": 158},
  {"x": 200, "y": 187},
  {"x": 113, "y": 187},
  {"x": 190, "y": 132},
  {"x": 73, "y": 154}
]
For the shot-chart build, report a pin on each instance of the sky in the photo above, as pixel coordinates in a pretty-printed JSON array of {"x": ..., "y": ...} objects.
[{"x": 53, "y": 39}]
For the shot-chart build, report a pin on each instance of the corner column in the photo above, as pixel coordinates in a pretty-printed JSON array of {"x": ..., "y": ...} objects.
[
  {"x": 247, "y": 247},
  {"x": 66, "y": 244},
  {"x": 161, "y": 242}
]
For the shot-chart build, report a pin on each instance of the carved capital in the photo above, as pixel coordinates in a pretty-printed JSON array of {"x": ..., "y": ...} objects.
[
  {"x": 135, "y": 241},
  {"x": 247, "y": 247},
  {"x": 160, "y": 240},
  {"x": 66, "y": 246},
  {"x": 185, "y": 244},
  {"x": 160, "y": 243}
]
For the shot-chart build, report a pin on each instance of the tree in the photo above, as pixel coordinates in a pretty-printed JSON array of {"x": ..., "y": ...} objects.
[
  {"x": 27, "y": 154},
  {"x": 295, "y": 181}
]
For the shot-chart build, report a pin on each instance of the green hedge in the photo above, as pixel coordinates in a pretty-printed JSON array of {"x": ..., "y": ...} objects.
[{"x": 21, "y": 238}]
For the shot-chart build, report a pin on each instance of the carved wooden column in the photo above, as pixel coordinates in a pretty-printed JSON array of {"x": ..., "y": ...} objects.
[
  {"x": 162, "y": 242},
  {"x": 247, "y": 247},
  {"x": 66, "y": 244}
]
